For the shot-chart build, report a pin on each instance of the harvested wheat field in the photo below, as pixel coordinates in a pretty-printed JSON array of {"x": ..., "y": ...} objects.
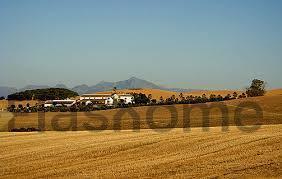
[
  {"x": 128, "y": 154},
  {"x": 147, "y": 153},
  {"x": 156, "y": 93}
]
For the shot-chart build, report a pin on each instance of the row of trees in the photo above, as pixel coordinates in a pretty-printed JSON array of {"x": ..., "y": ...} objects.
[
  {"x": 257, "y": 88},
  {"x": 79, "y": 107},
  {"x": 181, "y": 99}
]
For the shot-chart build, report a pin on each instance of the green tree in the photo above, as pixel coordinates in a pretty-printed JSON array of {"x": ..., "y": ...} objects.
[
  {"x": 140, "y": 98},
  {"x": 227, "y": 97},
  {"x": 257, "y": 88},
  {"x": 243, "y": 95},
  {"x": 235, "y": 95},
  {"x": 172, "y": 98},
  {"x": 212, "y": 97},
  {"x": 161, "y": 99},
  {"x": 181, "y": 97},
  {"x": 20, "y": 106},
  {"x": 204, "y": 98},
  {"x": 219, "y": 98},
  {"x": 150, "y": 97}
]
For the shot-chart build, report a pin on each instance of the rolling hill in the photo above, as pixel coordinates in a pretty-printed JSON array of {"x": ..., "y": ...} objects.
[
  {"x": 271, "y": 106},
  {"x": 146, "y": 153}
]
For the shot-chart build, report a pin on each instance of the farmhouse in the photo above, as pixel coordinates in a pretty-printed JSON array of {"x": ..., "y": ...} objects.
[{"x": 107, "y": 99}]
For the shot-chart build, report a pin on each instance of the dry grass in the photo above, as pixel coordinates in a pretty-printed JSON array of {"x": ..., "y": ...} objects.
[
  {"x": 274, "y": 92},
  {"x": 145, "y": 154}
]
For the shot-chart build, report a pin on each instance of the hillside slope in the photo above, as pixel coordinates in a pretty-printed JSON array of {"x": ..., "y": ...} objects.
[{"x": 271, "y": 107}]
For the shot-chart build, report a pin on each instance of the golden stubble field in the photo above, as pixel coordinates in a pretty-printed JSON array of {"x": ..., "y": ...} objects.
[{"x": 145, "y": 154}]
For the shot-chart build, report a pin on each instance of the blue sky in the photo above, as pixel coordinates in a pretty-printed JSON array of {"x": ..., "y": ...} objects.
[{"x": 206, "y": 44}]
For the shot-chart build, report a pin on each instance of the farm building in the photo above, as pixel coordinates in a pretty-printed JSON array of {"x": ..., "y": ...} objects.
[
  {"x": 57, "y": 103},
  {"x": 107, "y": 99}
]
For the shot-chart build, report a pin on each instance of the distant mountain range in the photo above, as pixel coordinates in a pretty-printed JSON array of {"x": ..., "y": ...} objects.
[
  {"x": 5, "y": 91},
  {"x": 131, "y": 83}
]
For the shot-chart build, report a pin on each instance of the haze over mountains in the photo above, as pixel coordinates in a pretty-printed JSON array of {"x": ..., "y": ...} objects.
[{"x": 130, "y": 83}]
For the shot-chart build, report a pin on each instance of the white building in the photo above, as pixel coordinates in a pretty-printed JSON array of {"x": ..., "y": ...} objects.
[
  {"x": 97, "y": 98},
  {"x": 57, "y": 103},
  {"x": 107, "y": 99},
  {"x": 127, "y": 98}
]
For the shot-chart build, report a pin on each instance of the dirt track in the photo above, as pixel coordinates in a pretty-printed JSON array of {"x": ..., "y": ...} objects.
[{"x": 146, "y": 153}]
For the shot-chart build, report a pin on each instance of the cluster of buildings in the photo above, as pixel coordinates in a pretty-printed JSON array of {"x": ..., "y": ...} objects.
[{"x": 96, "y": 99}]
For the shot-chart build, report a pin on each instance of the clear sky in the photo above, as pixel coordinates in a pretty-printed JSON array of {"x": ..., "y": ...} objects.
[{"x": 206, "y": 44}]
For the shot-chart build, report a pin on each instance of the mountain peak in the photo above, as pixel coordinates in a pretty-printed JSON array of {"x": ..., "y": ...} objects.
[{"x": 134, "y": 78}]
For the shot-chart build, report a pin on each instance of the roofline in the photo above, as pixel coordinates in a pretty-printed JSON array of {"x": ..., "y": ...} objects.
[{"x": 106, "y": 94}]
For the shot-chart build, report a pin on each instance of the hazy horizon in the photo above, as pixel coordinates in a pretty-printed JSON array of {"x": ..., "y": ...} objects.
[{"x": 185, "y": 44}]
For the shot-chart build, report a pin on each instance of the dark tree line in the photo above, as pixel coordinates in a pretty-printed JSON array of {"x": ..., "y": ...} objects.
[
  {"x": 140, "y": 98},
  {"x": 181, "y": 99},
  {"x": 43, "y": 94}
]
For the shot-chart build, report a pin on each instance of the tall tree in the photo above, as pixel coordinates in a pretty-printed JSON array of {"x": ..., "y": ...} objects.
[{"x": 257, "y": 88}]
